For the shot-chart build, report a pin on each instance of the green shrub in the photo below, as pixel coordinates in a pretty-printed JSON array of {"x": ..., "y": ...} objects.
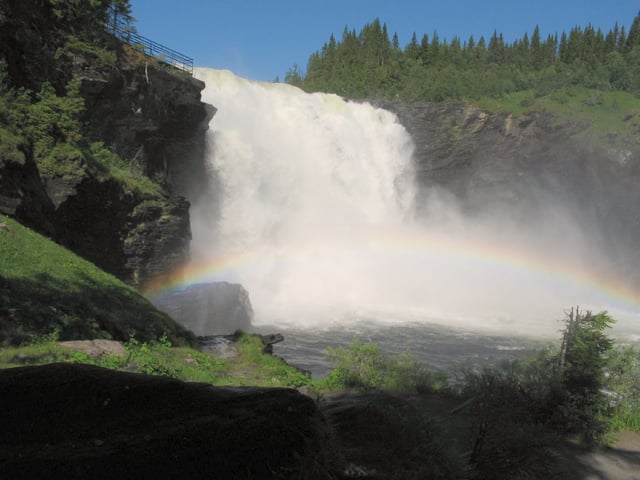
[
  {"x": 10, "y": 145},
  {"x": 365, "y": 367},
  {"x": 622, "y": 385},
  {"x": 584, "y": 406}
]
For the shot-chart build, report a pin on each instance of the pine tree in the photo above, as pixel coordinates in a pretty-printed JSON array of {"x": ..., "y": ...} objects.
[
  {"x": 622, "y": 39},
  {"x": 564, "y": 48},
  {"x": 425, "y": 51},
  {"x": 412, "y": 50},
  {"x": 633, "y": 40},
  {"x": 496, "y": 48},
  {"x": 537, "y": 50},
  {"x": 611, "y": 40},
  {"x": 583, "y": 360}
]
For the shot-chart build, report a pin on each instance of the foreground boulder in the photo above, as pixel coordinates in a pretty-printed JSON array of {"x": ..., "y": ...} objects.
[
  {"x": 212, "y": 308},
  {"x": 80, "y": 421}
]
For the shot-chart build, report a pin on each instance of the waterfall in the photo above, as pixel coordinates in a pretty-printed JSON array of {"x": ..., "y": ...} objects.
[{"x": 313, "y": 215}]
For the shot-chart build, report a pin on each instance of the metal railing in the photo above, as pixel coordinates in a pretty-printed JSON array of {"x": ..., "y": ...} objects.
[{"x": 147, "y": 46}]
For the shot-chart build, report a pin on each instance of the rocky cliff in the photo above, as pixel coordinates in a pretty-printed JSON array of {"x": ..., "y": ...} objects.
[
  {"x": 526, "y": 168},
  {"x": 151, "y": 115},
  {"x": 129, "y": 221}
]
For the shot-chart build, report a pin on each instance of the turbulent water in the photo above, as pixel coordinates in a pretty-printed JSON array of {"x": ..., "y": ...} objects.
[{"x": 311, "y": 209}]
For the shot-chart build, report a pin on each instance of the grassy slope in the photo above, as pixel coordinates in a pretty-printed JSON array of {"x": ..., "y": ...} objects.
[
  {"x": 46, "y": 288},
  {"x": 249, "y": 367},
  {"x": 607, "y": 118}
]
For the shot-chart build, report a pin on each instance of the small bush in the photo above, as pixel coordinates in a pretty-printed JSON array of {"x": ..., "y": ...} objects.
[
  {"x": 366, "y": 367},
  {"x": 623, "y": 388}
]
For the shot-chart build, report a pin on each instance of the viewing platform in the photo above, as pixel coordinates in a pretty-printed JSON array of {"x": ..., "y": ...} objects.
[{"x": 147, "y": 46}]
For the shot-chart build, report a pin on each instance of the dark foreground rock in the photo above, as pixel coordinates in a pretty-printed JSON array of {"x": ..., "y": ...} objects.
[
  {"x": 80, "y": 421},
  {"x": 214, "y": 308}
]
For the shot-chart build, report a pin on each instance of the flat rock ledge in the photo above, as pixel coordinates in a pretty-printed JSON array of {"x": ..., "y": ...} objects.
[
  {"x": 81, "y": 421},
  {"x": 96, "y": 348}
]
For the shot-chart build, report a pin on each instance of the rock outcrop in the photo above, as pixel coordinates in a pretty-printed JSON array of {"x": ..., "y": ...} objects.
[
  {"x": 80, "y": 421},
  {"x": 209, "y": 308},
  {"x": 525, "y": 168},
  {"x": 147, "y": 112}
]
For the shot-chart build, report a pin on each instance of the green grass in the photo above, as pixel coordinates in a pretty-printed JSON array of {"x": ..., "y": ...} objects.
[
  {"x": 250, "y": 367},
  {"x": 46, "y": 288},
  {"x": 253, "y": 367},
  {"x": 606, "y": 118}
]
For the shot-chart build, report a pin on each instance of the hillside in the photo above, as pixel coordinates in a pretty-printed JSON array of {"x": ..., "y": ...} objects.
[{"x": 47, "y": 290}]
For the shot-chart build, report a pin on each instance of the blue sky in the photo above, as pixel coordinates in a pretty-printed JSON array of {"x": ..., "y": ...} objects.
[{"x": 262, "y": 39}]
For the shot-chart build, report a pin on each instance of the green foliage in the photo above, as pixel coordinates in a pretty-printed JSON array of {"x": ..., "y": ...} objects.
[
  {"x": 293, "y": 76},
  {"x": 99, "y": 56},
  {"x": 120, "y": 170},
  {"x": 365, "y": 367},
  {"x": 10, "y": 147},
  {"x": 261, "y": 369},
  {"x": 152, "y": 358},
  {"x": 622, "y": 385},
  {"x": 606, "y": 118},
  {"x": 583, "y": 359},
  {"x": 51, "y": 127},
  {"x": 369, "y": 65},
  {"x": 587, "y": 387},
  {"x": 47, "y": 128},
  {"x": 160, "y": 357},
  {"x": 88, "y": 19}
]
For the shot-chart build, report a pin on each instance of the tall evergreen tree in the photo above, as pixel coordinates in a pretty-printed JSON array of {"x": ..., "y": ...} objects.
[
  {"x": 536, "y": 48},
  {"x": 369, "y": 63},
  {"x": 633, "y": 40},
  {"x": 412, "y": 50}
]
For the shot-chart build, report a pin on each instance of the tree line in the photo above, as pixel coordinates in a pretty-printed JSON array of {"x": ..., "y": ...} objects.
[{"x": 370, "y": 64}]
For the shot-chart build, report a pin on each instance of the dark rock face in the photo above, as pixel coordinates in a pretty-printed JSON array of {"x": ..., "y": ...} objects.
[
  {"x": 525, "y": 168},
  {"x": 80, "y": 421},
  {"x": 209, "y": 308},
  {"x": 23, "y": 195},
  {"x": 148, "y": 113}
]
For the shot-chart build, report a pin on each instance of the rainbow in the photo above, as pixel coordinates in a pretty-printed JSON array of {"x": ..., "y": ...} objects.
[{"x": 489, "y": 254}]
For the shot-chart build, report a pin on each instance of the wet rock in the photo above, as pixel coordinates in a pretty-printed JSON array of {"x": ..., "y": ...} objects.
[{"x": 209, "y": 308}]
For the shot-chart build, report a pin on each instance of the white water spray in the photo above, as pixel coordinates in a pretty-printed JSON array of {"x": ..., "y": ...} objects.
[{"x": 315, "y": 220}]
